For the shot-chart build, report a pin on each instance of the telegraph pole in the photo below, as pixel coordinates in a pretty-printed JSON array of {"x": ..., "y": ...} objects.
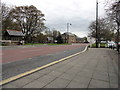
[
  {"x": 97, "y": 24},
  {"x": 118, "y": 22}
]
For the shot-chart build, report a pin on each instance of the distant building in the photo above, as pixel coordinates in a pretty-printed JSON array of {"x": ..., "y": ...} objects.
[
  {"x": 80, "y": 40},
  {"x": 49, "y": 39},
  {"x": 69, "y": 37},
  {"x": 12, "y": 37}
]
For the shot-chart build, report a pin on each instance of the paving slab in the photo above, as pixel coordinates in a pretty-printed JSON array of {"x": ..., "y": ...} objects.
[
  {"x": 10, "y": 86},
  {"x": 98, "y": 84},
  {"x": 100, "y": 76},
  {"x": 35, "y": 76},
  {"x": 114, "y": 80},
  {"x": 58, "y": 83},
  {"x": 46, "y": 79},
  {"x": 64, "y": 68},
  {"x": 67, "y": 76},
  {"x": 82, "y": 80},
  {"x": 85, "y": 74},
  {"x": 55, "y": 73},
  {"x": 71, "y": 71},
  {"x": 35, "y": 84},
  {"x": 113, "y": 85},
  {"x": 76, "y": 85},
  {"x": 21, "y": 82}
]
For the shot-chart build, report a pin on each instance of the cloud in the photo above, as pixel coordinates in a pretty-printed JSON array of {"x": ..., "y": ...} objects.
[{"x": 59, "y": 12}]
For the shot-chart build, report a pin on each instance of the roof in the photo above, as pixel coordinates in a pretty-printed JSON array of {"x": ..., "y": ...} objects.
[
  {"x": 50, "y": 38},
  {"x": 68, "y": 33},
  {"x": 15, "y": 33}
]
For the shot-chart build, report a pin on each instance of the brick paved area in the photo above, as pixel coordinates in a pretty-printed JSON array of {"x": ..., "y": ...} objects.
[{"x": 16, "y": 54}]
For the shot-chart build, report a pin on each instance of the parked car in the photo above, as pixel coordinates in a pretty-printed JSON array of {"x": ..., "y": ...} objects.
[
  {"x": 119, "y": 44},
  {"x": 103, "y": 44},
  {"x": 111, "y": 45}
]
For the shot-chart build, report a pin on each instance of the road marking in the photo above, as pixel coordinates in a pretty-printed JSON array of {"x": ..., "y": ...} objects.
[{"x": 39, "y": 68}]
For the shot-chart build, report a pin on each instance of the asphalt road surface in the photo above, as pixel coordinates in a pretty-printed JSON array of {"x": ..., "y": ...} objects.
[{"x": 22, "y": 59}]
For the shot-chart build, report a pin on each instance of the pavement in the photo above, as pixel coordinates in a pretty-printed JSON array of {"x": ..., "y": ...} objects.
[{"x": 95, "y": 68}]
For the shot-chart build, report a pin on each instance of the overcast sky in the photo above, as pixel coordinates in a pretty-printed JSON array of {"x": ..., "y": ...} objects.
[{"x": 59, "y": 12}]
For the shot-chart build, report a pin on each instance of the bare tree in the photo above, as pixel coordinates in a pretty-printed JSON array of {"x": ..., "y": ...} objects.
[
  {"x": 114, "y": 14},
  {"x": 29, "y": 18},
  {"x": 105, "y": 29},
  {"x": 5, "y": 11}
]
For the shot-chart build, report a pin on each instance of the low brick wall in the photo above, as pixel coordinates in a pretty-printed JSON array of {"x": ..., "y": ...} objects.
[{"x": 9, "y": 42}]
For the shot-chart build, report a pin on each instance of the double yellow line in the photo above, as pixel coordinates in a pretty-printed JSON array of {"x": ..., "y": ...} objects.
[{"x": 39, "y": 68}]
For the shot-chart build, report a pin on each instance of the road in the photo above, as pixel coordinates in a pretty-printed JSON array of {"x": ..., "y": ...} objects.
[{"x": 22, "y": 59}]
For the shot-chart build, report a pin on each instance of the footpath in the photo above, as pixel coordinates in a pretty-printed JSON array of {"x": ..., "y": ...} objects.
[{"x": 95, "y": 68}]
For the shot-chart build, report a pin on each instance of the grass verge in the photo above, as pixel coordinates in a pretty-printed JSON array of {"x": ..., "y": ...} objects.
[
  {"x": 46, "y": 44},
  {"x": 101, "y": 45}
]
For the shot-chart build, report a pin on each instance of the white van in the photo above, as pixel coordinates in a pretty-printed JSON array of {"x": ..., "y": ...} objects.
[{"x": 111, "y": 44}]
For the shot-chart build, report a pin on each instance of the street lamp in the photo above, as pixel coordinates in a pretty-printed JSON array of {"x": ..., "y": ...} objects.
[
  {"x": 48, "y": 34},
  {"x": 68, "y": 32}
]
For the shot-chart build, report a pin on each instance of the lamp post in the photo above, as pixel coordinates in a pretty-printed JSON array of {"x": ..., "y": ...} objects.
[
  {"x": 68, "y": 32},
  {"x": 97, "y": 24},
  {"x": 48, "y": 32}
]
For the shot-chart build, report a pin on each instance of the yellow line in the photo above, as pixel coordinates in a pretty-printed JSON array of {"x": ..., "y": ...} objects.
[{"x": 39, "y": 68}]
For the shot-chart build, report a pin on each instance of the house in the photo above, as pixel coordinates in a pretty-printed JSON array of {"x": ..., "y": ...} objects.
[
  {"x": 11, "y": 37},
  {"x": 49, "y": 39},
  {"x": 91, "y": 40},
  {"x": 69, "y": 38},
  {"x": 80, "y": 40}
]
